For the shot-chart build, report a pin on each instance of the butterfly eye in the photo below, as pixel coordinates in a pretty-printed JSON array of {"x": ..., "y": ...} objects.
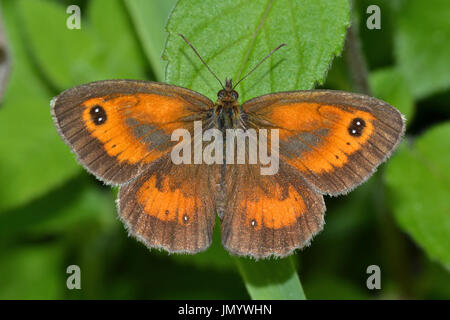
[
  {"x": 221, "y": 94},
  {"x": 235, "y": 94},
  {"x": 98, "y": 115}
]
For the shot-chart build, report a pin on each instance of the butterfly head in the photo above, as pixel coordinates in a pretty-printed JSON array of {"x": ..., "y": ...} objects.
[{"x": 227, "y": 96}]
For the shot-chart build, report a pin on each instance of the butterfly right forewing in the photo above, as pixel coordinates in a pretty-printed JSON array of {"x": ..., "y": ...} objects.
[{"x": 335, "y": 139}]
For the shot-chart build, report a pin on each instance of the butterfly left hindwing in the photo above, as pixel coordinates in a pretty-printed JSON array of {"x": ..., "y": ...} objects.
[{"x": 171, "y": 206}]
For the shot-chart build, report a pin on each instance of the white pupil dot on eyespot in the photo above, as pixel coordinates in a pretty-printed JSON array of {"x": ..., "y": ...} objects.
[{"x": 358, "y": 123}]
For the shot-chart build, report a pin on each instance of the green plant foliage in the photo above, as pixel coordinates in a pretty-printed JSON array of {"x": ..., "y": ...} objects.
[
  {"x": 332, "y": 288},
  {"x": 419, "y": 199},
  {"x": 422, "y": 48},
  {"x": 389, "y": 85},
  {"x": 233, "y": 36},
  {"x": 70, "y": 205},
  {"x": 149, "y": 18},
  {"x": 93, "y": 51}
]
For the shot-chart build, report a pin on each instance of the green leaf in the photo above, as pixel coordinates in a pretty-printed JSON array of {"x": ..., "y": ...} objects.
[
  {"x": 34, "y": 158},
  {"x": 71, "y": 61},
  {"x": 34, "y": 272},
  {"x": 233, "y": 36},
  {"x": 347, "y": 214},
  {"x": 418, "y": 177},
  {"x": 389, "y": 85},
  {"x": 422, "y": 48},
  {"x": 271, "y": 279},
  {"x": 105, "y": 48},
  {"x": 150, "y": 18}
]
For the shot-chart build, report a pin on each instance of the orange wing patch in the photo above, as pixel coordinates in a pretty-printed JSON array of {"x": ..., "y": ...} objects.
[
  {"x": 137, "y": 127},
  {"x": 273, "y": 209}
]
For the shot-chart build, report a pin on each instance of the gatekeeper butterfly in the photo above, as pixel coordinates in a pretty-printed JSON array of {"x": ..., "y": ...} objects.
[{"x": 329, "y": 143}]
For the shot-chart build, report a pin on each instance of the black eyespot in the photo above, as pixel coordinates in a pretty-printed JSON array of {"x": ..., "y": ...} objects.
[
  {"x": 356, "y": 127},
  {"x": 253, "y": 223},
  {"x": 98, "y": 115},
  {"x": 221, "y": 94},
  {"x": 235, "y": 94},
  {"x": 185, "y": 219}
]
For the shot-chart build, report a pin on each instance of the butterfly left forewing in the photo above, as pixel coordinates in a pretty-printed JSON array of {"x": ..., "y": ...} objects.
[
  {"x": 117, "y": 128},
  {"x": 335, "y": 139}
]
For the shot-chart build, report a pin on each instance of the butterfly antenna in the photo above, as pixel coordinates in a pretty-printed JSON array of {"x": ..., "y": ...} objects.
[
  {"x": 265, "y": 58},
  {"x": 201, "y": 59}
]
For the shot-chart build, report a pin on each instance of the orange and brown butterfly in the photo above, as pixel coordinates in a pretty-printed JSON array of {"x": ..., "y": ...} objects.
[{"x": 329, "y": 143}]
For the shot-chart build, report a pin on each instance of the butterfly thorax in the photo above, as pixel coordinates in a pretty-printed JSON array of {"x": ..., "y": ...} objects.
[{"x": 227, "y": 108}]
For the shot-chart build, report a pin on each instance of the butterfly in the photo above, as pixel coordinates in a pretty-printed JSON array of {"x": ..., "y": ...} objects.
[{"x": 329, "y": 143}]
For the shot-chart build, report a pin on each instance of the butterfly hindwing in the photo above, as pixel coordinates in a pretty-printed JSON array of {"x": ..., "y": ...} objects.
[
  {"x": 268, "y": 215},
  {"x": 329, "y": 142},
  {"x": 171, "y": 206},
  {"x": 117, "y": 128},
  {"x": 335, "y": 139}
]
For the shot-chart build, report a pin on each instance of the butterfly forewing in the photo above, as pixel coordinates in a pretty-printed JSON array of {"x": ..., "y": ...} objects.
[
  {"x": 117, "y": 128},
  {"x": 334, "y": 139}
]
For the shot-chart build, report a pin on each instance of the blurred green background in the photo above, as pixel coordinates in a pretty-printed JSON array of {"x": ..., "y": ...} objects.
[{"x": 54, "y": 214}]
